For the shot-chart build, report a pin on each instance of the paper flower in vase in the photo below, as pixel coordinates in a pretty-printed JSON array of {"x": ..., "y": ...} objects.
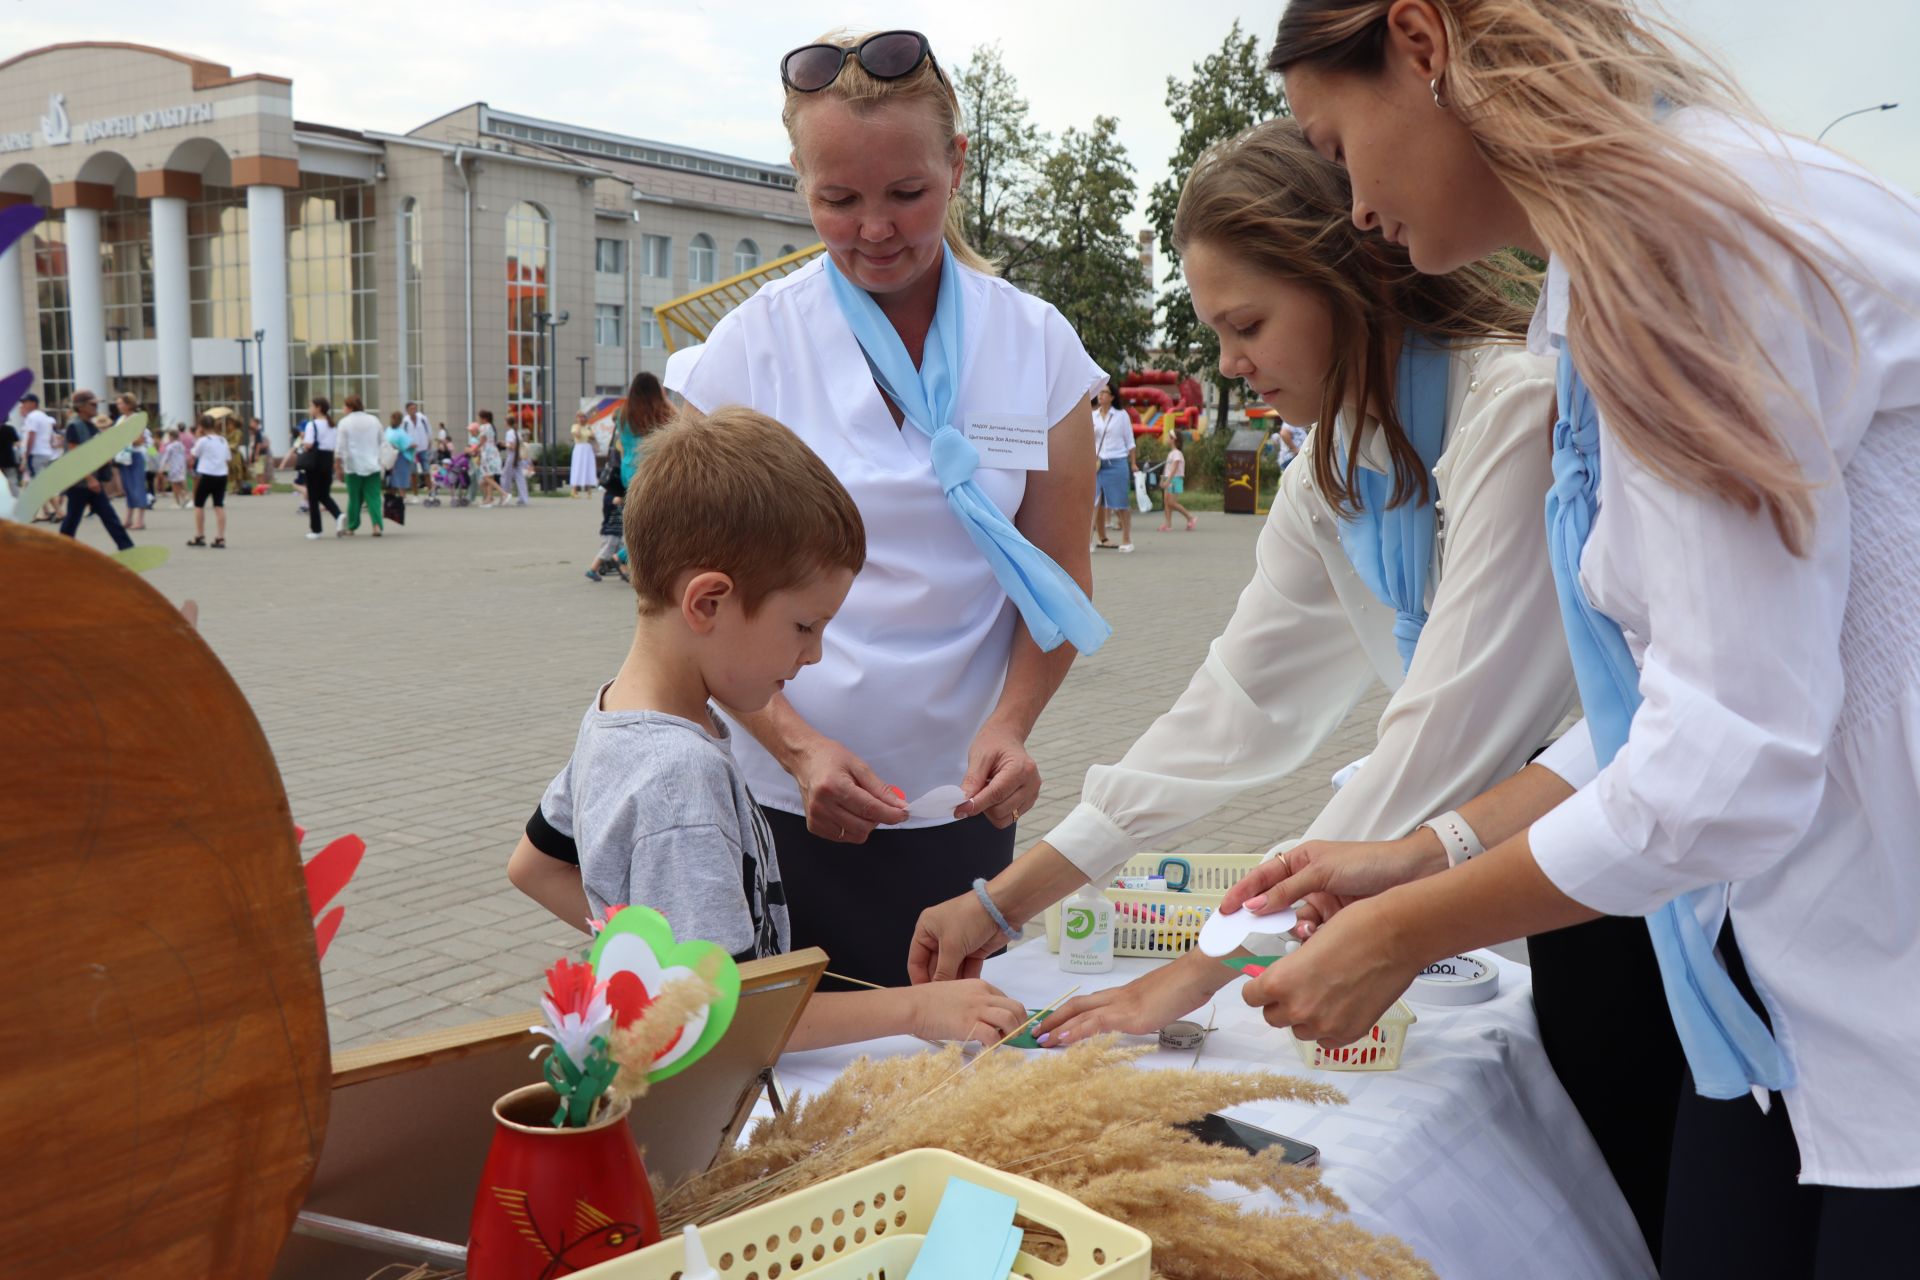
[{"x": 636, "y": 956}]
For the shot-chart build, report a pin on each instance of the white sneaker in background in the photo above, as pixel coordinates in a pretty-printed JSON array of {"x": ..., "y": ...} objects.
[{"x": 1125, "y": 548}]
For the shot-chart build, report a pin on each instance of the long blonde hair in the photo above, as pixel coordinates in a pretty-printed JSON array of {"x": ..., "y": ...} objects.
[
  {"x": 1266, "y": 199},
  {"x": 924, "y": 84},
  {"x": 1563, "y": 98}
]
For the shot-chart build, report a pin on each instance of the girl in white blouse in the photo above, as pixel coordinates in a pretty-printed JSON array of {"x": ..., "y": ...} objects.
[
  {"x": 1290, "y": 286},
  {"x": 931, "y": 677},
  {"x": 1743, "y": 517}
]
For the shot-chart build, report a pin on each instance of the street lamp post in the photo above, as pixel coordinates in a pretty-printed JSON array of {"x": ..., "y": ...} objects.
[
  {"x": 583, "y": 374},
  {"x": 1884, "y": 106},
  {"x": 119, "y": 332},
  {"x": 553, "y": 379},
  {"x": 246, "y": 382}
]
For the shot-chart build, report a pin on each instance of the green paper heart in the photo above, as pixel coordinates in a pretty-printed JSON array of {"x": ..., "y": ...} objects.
[{"x": 651, "y": 929}]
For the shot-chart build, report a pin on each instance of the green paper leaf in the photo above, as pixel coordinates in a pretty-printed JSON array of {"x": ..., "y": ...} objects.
[
  {"x": 1023, "y": 1039},
  {"x": 143, "y": 559},
  {"x": 641, "y": 941},
  {"x": 1241, "y": 962},
  {"x": 75, "y": 465}
]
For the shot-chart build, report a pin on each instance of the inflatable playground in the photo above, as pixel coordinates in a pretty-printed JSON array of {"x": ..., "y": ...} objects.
[{"x": 1160, "y": 400}]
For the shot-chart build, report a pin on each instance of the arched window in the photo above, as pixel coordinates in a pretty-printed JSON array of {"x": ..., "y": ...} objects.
[
  {"x": 746, "y": 257},
  {"x": 786, "y": 249},
  {"x": 529, "y": 253},
  {"x": 700, "y": 260}
]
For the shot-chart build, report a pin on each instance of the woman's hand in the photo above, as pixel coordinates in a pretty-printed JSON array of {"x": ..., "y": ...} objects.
[
  {"x": 1002, "y": 780},
  {"x": 952, "y": 940},
  {"x": 1336, "y": 986},
  {"x": 844, "y": 799},
  {"x": 968, "y": 1010},
  {"x": 1332, "y": 874},
  {"x": 1140, "y": 1008}
]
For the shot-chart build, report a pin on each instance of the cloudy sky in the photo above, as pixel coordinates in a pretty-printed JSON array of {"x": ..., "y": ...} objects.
[{"x": 705, "y": 74}]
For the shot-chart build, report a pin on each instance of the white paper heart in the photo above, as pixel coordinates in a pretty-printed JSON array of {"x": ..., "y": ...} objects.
[
  {"x": 1224, "y": 934},
  {"x": 626, "y": 952},
  {"x": 937, "y": 803}
]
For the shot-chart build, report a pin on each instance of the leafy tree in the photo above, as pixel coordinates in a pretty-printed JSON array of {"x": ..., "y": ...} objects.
[
  {"x": 1005, "y": 152},
  {"x": 1090, "y": 269},
  {"x": 1229, "y": 91}
]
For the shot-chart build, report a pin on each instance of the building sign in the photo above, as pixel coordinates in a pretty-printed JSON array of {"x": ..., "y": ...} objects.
[{"x": 57, "y": 131}]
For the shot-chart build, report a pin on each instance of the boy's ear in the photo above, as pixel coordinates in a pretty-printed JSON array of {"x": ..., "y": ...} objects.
[{"x": 701, "y": 598}]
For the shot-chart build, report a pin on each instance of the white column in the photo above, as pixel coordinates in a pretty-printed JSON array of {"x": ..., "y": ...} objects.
[
  {"x": 86, "y": 294},
  {"x": 172, "y": 309},
  {"x": 13, "y": 309},
  {"x": 267, "y": 279}
]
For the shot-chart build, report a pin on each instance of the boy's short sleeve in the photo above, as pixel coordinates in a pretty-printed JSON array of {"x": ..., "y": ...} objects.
[
  {"x": 691, "y": 875},
  {"x": 550, "y": 829}
]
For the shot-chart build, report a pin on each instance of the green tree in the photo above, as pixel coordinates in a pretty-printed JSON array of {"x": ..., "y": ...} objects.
[
  {"x": 1091, "y": 268},
  {"x": 1229, "y": 91},
  {"x": 1005, "y": 152}
]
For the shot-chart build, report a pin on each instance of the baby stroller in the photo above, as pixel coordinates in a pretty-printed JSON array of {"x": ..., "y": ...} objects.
[{"x": 451, "y": 475}]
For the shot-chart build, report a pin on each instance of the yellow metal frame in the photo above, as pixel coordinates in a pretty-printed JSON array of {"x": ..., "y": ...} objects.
[{"x": 696, "y": 313}]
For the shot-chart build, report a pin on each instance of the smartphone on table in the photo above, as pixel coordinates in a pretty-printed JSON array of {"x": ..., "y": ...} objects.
[{"x": 1224, "y": 1131}]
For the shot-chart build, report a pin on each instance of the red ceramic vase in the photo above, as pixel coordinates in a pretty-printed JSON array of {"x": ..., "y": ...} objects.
[{"x": 555, "y": 1201}]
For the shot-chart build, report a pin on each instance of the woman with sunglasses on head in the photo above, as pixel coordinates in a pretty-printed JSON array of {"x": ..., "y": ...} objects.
[
  {"x": 955, "y": 409},
  {"x": 1734, "y": 529}
]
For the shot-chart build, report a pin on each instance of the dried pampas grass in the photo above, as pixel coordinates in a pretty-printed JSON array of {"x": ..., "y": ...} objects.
[
  {"x": 635, "y": 1047},
  {"x": 1084, "y": 1121}
]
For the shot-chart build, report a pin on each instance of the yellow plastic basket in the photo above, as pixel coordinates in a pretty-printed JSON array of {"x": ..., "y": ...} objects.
[
  {"x": 1378, "y": 1050},
  {"x": 869, "y": 1224},
  {"x": 1164, "y": 925}
]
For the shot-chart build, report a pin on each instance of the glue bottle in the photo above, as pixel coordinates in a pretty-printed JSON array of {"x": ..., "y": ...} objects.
[{"x": 1086, "y": 932}]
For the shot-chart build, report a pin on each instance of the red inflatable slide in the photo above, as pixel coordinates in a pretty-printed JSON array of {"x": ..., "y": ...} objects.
[{"x": 1151, "y": 395}]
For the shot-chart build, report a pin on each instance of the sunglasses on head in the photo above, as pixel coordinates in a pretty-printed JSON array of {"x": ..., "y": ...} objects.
[{"x": 889, "y": 55}]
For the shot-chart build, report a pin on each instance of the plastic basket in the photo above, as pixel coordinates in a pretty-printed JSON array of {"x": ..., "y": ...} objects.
[
  {"x": 1378, "y": 1050},
  {"x": 1163, "y": 925},
  {"x": 869, "y": 1224}
]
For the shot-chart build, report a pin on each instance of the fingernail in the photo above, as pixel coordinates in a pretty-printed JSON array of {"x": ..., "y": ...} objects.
[
  {"x": 1254, "y": 903},
  {"x": 1043, "y": 1037}
]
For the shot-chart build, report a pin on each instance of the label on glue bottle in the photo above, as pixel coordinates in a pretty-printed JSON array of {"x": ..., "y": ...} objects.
[{"x": 1086, "y": 932}]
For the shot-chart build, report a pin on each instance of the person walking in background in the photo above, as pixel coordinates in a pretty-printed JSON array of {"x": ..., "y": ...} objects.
[
  {"x": 484, "y": 451},
  {"x": 583, "y": 474},
  {"x": 1173, "y": 481},
  {"x": 1113, "y": 441},
  {"x": 401, "y": 470},
  {"x": 646, "y": 409},
  {"x": 212, "y": 456},
  {"x": 38, "y": 447},
  {"x": 172, "y": 471},
  {"x": 613, "y": 519},
  {"x": 513, "y": 466},
  {"x": 420, "y": 432},
  {"x": 10, "y": 454},
  {"x": 321, "y": 439},
  {"x": 90, "y": 493},
  {"x": 358, "y": 463},
  {"x": 133, "y": 471}
]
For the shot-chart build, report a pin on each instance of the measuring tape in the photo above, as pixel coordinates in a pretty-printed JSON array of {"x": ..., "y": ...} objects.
[
  {"x": 1182, "y": 1035},
  {"x": 1456, "y": 980}
]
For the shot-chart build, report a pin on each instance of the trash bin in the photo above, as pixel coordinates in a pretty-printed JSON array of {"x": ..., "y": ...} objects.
[{"x": 1242, "y": 496}]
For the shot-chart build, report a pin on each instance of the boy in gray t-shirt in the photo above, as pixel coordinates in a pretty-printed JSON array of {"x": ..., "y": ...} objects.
[
  {"x": 743, "y": 545},
  {"x": 653, "y": 809}
]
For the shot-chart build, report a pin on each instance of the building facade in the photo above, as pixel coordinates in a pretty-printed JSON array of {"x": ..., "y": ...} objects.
[{"x": 482, "y": 260}]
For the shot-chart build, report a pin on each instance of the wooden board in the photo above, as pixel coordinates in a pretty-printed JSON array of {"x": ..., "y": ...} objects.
[
  {"x": 165, "y": 1089},
  {"x": 412, "y": 1118}
]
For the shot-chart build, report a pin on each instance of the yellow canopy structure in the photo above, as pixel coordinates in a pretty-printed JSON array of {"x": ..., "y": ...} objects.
[{"x": 695, "y": 314}]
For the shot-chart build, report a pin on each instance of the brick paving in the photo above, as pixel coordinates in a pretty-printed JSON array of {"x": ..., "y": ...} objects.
[{"x": 420, "y": 690}]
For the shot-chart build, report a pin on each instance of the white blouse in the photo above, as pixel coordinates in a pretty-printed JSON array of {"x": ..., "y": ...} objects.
[
  {"x": 914, "y": 661},
  {"x": 1112, "y": 433},
  {"x": 1489, "y": 681},
  {"x": 1778, "y": 743}
]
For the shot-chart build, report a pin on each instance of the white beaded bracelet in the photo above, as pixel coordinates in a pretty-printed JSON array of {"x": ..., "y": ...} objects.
[{"x": 1457, "y": 836}]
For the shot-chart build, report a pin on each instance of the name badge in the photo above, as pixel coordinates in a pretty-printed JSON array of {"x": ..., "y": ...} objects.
[{"x": 1010, "y": 441}]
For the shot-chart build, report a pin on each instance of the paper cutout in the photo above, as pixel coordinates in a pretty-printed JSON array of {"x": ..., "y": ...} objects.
[
  {"x": 971, "y": 1236},
  {"x": 639, "y": 940},
  {"x": 15, "y": 222},
  {"x": 1224, "y": 934},
  {"x": 937, "y": 803},
  {"x": 1252, "y": 966},
  {"x": 143, "y": 559},
  {"x": 1023, "y": 1038},
  {"x": 327, "y": 873}
]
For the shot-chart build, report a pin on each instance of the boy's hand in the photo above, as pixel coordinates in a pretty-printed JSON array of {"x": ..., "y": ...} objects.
[{"x": 965, "y": 1010}]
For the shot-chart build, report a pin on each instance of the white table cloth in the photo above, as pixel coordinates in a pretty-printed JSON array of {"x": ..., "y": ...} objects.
[{"x": 1470, "y": 1151}]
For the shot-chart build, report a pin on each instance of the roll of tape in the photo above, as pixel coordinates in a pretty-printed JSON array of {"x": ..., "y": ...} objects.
[
  {"x": 1182, "y": 1035},
  {"x": 1456, "y": 980}
]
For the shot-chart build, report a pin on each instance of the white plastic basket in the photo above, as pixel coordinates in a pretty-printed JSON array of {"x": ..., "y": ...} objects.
[
  {"x": 1163, "y": 925},
  {"x": 1378, "y": 1050},
  {"x": 869, "y": 1225}
]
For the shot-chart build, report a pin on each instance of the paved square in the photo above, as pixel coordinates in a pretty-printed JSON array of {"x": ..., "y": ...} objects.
[{"x": 421, "y": 689}]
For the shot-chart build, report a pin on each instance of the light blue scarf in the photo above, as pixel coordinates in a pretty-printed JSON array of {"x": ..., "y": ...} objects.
[
  {"x": 1051, "y": 603},
  {"x": 1392, "y": 547},
  {"x": 1727, "y": 1045}
]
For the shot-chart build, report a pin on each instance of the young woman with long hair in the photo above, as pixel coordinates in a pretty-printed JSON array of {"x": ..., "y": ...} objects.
[
  {"x": 646, "y": 410},
  {"x": 1734, "y": 529}
]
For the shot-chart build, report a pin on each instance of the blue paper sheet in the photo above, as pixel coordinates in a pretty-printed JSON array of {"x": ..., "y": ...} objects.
[{"x": 972, "y": 1236}]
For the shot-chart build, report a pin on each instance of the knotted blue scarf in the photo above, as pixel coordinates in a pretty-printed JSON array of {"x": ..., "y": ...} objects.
[
  {"x": 1392, "y": 547},
  {"x": 1727, "y": 1045},
  {"x": 1051, "y": 603}
]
